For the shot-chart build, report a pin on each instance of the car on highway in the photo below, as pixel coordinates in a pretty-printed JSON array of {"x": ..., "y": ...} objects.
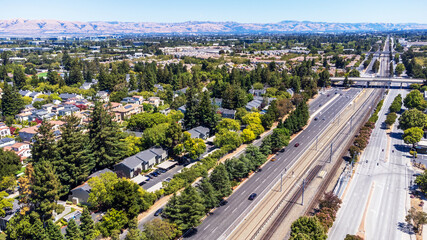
[
  {"x": 252, "y": 196},
  {"x": 259, "y": 170},
  {"x": 296, "y": 144},
  {"x": 273, "y": 159},
  {"x": 315, "y": 119},
  {"x": 327, "y": 95},
  {"x": 158, "y": 212},
  {"x": 222, "y": 203}
]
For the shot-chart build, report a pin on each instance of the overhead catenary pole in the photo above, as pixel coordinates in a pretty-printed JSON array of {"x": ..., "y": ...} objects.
[{"x": 303, "y": 186}]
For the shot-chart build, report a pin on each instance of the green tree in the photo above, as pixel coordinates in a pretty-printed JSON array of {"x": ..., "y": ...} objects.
[
  {"x": 5, "y": 203},
  {"x": 45, "y": 189},
  {"x": 75, "y": 75},
  {"x": 220, "y": 181},
  {"x": 53, "y": 77},
  {"x": 73, "y": 164},
  {"x": 412, "y": 118},
  {"x": 324, "y": 80},
  {"x": 228, "y": 124},
  {"x": 208, "y": 193},
  {"x": 399, "y": 69},
  {"x": 415, "y": 100},
  {"x": 112, "y": 220},
  {"x": 11, "y": 102},
  {"x": 390, "y": 119},
  {"x": 158, "y": 229},
  {"x": 307, "y": 228},
  {"x": 396, "y": 105},
  {"x": 73, "y": 231},
  {"x": 206, "y": 112},
  {"x": 376, "y": 66},
  {"x": 352, "y": 237},
  {"x": 104, "y": 134},
  {"x": 191, "y": 118},
  {"x": 53, "y": 231},
  {"x": 19, "y": 77},
  {"x": 37, "y": 230},
  {"x": 44, "y": 146},
  {"x": 173, "y": 134},
  {"x": 87, "y": 227},
  {"x": 9, "y": 163},
  {"x": 186, "y": 210},
  {"x": 417, "y": 219},
  {"x": 101, "y": 188},
  {"x": 194, "y": 147},
  {"x": 412, "y": 135},
  {"x": 247, "y": 135},
  {"x": 225, "y": 137}
]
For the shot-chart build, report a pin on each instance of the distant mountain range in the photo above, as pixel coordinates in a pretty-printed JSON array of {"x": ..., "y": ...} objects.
[{"x": 21, "y": 27}]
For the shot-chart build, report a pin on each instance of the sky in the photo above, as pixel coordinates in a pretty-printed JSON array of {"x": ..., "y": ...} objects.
[{"x": 249, "y": 11}]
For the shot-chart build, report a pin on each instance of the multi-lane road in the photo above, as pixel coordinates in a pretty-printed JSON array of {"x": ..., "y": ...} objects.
[
  {"x": 376, "y": 200},
  {"x": 226, "y": 218}
]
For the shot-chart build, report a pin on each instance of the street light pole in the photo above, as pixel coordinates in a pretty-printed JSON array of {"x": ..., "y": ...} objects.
[
  {"x": 330, "y": 157},
  {"x": 281, "y": 181}
]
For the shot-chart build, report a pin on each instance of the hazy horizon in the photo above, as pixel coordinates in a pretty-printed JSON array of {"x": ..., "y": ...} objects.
[{"x": 250, "y": 11}]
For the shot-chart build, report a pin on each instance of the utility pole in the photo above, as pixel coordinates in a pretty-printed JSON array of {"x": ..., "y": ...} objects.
[
  {"x": 330, "y": 158},
  {"x": 303, "y": 186}
]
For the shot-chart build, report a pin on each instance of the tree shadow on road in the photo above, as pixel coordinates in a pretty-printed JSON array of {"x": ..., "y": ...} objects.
[
  {"x": 396, "y": 135},
  {"x": 405, "y": 228}
]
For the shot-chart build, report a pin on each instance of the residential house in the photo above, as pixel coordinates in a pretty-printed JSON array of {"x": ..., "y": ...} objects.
[
  {"x": 112, "y": 106},
  {"x": 23, "y": 116},
  {"x": 140, "y": 98},
  {"x": 155, "y": 101},
  {"x": 182, "y": 109},
  {"x": 67, "y": 96},
  {"x": 199, "y": 132},
  {"x": 217, "y": 102},
  {"x": 26, "y": 134},
  {"x": 4, "y": 130},
  {"x": 226, "y": 113},
  {"x": 80, "y": 194},
  {"x": 103, "y": 96},
  {"x": 131, "y": 100},
  {"x": 256, "y": 103},
  {"x": 158, "y": 87},
  {"x": 127, "y": 110},
  {"x": 290, "y": 91},
  {"x": 25, "y": 93},
  {"x": 257, "y": 92},
  {"x": 48, "y": 107},
  {"x": 21, "y": 149},
  {"x": 35, "y": 95},
  {"x": 9, "y": 213},
  {"x": 133, "y": 165},
  {"x": 68, "y": 110},
  {"x": 57, "y": 108},
  {"x": 6, "y": 142}
]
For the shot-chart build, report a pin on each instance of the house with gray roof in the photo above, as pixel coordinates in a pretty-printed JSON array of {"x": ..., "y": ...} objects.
[
  {"x": 257, "y": 92},
  {"x": 199, "y": 132},
  {"x": 226, "y": 113},
  {"x": 25, "y": 93},
  {"x": 10, "y": 212},
  {"x": 80, "y": 193},
  {"x": 131, "y": 167}
]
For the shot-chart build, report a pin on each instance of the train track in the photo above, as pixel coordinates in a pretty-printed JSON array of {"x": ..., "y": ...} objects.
[{"x": 311, "y": 175}]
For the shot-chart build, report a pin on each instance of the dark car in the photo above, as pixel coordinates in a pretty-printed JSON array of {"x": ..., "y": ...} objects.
[
  {"x": 252, "y": 196},
  {"x": 223, "y": 202},
  {"x": 327, "y": 95},
  {"x": 158, "y": 212},
  {"x": 296, "y": 144},
  {"x": 315, "y": 119}
]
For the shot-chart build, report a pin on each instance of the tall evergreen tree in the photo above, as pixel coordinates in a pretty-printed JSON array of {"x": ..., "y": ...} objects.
[
  {"x": 73, "y": 231},
  {"x": 191, "y": 118},
  {"x": 220, "y": 181},
  {"x": 44, "y": 146},
  {"x": 19, "y": 77},
  {"x": 206, "y": 112},
  {"x": 53, "y": 231},
  {"x": 11, "y": 102},
  {"x": 208, "y": 193},
  {"x": 37, "y": 230},
  {"x": 186, "y": 210},
  {"x": 75, "y": 75},
  {"x": 73, "y": 163},
  {"x": 133, "y": 85},
  {"x": 87, "y": 227},
  {"x": 104, "y": 134},
  {"x": 45, "y": 189}
]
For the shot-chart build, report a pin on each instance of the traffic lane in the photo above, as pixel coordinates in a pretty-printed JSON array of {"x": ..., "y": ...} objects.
[
  {"x": 323, "y": 99},
  {"x": 263, "y": 180}
]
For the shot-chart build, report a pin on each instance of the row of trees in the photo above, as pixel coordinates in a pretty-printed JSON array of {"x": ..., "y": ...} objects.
[{"x": 187, "y": 209}]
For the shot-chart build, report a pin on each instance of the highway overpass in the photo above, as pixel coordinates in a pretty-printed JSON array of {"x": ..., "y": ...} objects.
[{"x": 378, "y": 80}]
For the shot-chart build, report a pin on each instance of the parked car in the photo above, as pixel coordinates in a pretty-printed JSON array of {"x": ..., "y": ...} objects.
[
  {"x": 158, "y": 212},
  {"x": 252, "y": 196},
  {"x": 168, "y": 179}
]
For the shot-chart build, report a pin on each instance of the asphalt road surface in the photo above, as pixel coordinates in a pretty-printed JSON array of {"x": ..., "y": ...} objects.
[
  {"x": 382, "y": 177},
  {"x": 220, "y": 224}
]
